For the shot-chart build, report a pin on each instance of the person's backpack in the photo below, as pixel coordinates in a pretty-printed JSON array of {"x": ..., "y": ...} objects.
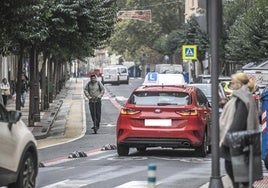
[{"x": 99, "y": 85}]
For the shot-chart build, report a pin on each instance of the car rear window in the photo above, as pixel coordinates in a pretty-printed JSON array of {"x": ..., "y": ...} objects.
[{"x": 160, "y": 98}]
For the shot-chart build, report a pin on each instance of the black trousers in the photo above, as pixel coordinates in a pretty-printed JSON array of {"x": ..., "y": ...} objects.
[
  {"x": 4, "y": 99},
  {"x": 95, "y": 111}
]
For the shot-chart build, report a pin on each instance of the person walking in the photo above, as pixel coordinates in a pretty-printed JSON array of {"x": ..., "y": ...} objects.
[
  {"x": 5, "y": 90},
  {"x": 94, "y": 91},
  {"x": 239, "y": 113},
  {"x": 24, "y": 89}
]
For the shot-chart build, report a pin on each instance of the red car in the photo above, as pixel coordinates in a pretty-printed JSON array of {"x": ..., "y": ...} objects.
[{"x": 165, "y": 116}]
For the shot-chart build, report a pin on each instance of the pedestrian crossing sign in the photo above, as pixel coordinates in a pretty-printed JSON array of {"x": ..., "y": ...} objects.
[{"x": 189, "y": 52}]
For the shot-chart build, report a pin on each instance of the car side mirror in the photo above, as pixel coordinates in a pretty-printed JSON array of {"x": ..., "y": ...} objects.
[{"x": 14, "y": 116}]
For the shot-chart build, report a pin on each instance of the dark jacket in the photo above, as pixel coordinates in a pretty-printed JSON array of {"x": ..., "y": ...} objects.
[{"x": 24, "y": 86}]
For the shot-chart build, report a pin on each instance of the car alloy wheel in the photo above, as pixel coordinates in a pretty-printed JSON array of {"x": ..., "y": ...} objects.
[{"x": 27, "y": 173}]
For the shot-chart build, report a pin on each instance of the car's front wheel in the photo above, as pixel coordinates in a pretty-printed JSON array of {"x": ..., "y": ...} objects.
[
  {"x": 27, "y": 173},
  {"x": 122, "y": 150}
]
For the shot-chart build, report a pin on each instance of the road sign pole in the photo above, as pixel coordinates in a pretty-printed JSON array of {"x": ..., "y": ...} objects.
[
  {"x": 215, "y": 8},
  {"x": 190, "y": 71}
]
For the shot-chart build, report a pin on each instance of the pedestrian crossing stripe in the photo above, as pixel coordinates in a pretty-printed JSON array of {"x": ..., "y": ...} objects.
[{"x": 189, "y": 52}]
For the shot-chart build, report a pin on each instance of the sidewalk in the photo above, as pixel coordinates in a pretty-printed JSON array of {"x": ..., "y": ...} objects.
[
  {"x": 48, "y": 118},
  {"x": 228, "y": 184},
  {"x": 66, "y": 117}
]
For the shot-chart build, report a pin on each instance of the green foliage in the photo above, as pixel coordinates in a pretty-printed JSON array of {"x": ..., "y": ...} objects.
[
  {"x": 68, "y": 28},
  {"x": 191, "y": 35},
  {"x": 22, "y": 22},
  {"x": 84, "y": 26},
  {"x": 132, "y": 35},
  {"x": 248, "y": 36}
]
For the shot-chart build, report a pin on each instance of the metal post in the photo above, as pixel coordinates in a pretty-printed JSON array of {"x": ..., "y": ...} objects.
[
  {"x": 151, "y": 176},
  {"x": 250, "y": 165},
  {"x": 215, "y": 8},
  {"x": 190, "y": 70}
]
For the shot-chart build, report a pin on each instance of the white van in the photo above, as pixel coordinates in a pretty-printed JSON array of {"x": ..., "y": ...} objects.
[
  {"x": 168, "y": 68},
  {"x": 115, "y": 74}
]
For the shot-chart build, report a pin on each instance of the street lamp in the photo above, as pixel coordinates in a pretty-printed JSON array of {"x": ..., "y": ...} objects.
[{"x": 215, "y": 8}]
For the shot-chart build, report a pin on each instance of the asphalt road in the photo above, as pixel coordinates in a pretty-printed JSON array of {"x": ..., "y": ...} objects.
[{"x": 104, "y": 168}]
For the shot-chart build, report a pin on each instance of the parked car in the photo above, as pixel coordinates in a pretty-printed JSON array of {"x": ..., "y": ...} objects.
[
  {"x": 164, "y": 115},
  {"x": 203, "y": 78},
  {"x": 227, "y": 88},
  {"x": 207, "y": 90},
  {"x": 18, "y": 151}
]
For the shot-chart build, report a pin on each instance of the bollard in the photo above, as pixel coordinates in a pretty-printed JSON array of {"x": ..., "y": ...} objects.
[{"x": 151, "y": 176}]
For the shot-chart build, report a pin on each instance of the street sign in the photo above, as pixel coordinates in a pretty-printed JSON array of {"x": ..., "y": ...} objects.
[
  {"x": 189, "y": 52},
  {"x": 142, "y": 15},
  {"x": 152, "y": 76}
]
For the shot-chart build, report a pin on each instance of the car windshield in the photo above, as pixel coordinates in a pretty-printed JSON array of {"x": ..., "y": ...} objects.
[
  {"x": 160, "y": 98},
  {"x": 109, "y": 71},
  {"x": 206, "y": 89}
]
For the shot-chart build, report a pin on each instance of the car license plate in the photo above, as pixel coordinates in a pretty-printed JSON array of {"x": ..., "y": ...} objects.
[{"x": 158, "y": 122}]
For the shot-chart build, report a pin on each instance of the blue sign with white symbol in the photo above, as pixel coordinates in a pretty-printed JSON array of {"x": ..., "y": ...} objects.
[{"x": 152, "y": 76}]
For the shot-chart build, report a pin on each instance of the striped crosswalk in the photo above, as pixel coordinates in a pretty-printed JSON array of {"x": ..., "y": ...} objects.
[{"x": 119, "y": 173}]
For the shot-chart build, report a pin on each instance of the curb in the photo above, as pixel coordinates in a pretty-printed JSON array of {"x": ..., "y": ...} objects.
[
  {"x": 45, "y": 131},
  {"x": 41, "y": 130}
]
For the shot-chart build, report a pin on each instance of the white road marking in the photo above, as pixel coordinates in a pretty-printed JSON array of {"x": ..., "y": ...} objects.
[
  {"x": 121, "y": 98},
  {"x": 102, "y": 157},
  {"x": 110, "y": 125},
  {"x": 69, "y": 183},
  {"x": 133, "y": 184}
]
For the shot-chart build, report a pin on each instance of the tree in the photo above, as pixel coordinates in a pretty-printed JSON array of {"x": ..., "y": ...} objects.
[
  {"x": 191, "y": 34},
  {"x": 22, "y": 26},
  {"x": 132, "y": 35},
  {"x": 245, "y": 36},
  {"x": 61, "y": 30},
  {"x": 248, "y": 36}
]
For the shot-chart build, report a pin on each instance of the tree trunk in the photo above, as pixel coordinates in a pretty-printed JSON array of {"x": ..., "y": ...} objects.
[
  {"x": 19, "y": 73},
  {"x": 34, "y": 113},
  {"x": 55, "y": 76},
  {"x": 46, "y": 89},
  {"x": 43, "y": 83},
  {"x": 50, "y": 81}
]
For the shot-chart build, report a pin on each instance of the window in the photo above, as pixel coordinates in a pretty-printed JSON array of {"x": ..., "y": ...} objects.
[
  {"x": 123, "y": 70},
  {"x": 201, "y": 98},
  {"x": 160, "y": 98}
]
